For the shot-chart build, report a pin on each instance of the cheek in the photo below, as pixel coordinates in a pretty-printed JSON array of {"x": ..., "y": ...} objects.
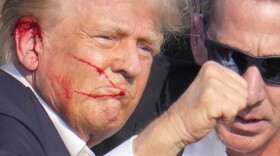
[
  {"x": 89, "y": 75},
  {"x": 62, "y": 89},
  {"x": 66, "y": 86},
  {"x": 273, "y": 97},
  {"x": 273, "y": 94},
  {"x": 142, "y": 79}
]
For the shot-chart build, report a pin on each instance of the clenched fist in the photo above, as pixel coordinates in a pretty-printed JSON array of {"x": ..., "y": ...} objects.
[{"x": 217, "y": 95}]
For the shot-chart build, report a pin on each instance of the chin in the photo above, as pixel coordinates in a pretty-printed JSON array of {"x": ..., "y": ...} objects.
[
  {"x": 239, "y": 142},
  {"x": 103, "y": 132},
  {"x": 113, "y": 124}
]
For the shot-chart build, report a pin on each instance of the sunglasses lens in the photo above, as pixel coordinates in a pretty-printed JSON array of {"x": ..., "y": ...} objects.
[
  {"x": 238, "y": 61},
  {"x": 227, "y": 57},
  {"x": 271, "y": 69},
  {"x": 241, "y": 61}
]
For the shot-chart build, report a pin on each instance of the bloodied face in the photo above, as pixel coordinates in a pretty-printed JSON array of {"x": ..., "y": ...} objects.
[{"x": 95, "y": 63}]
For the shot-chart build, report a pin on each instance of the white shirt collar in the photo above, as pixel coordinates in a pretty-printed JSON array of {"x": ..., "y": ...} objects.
[
  {"x": 209, "y": 145},
  {"x": 71, "y": 140}
]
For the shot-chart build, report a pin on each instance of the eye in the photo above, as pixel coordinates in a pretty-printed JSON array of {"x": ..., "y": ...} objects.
[
  {"x": 105, "y": 41},
  {"x": 147, "y": 49},
  {"x": 104, "y": 38}
]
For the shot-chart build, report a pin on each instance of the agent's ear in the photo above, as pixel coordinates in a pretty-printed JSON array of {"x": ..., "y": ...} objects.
[
  {"x": 28, "y": 42},
  {"x": 197, "y": 43}
]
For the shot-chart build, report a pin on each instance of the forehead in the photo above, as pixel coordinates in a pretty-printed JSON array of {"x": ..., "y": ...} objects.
[
  {"x": 123, "y": 9},
  {"x": 250, "y": 25},
  {"x": 92, "y": 5},
  {"x": 125, "y": 15}
]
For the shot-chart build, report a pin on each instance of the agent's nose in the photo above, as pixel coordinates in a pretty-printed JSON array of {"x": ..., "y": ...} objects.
[{"x": 256, "y": 92}]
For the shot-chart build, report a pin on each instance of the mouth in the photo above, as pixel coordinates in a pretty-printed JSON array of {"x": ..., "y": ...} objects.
[
  {"x": 247, "y": 127},
  {"x": 247, "y": 121},
  {"x": 106, "y": 92}
]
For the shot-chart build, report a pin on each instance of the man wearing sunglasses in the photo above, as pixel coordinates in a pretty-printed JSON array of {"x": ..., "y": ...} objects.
[{"x": 240, "y": 40}]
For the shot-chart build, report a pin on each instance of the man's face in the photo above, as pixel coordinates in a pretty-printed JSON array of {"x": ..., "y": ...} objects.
[
  {"x": 95, "y": 64},
  {"x": 250, "y": 26}
]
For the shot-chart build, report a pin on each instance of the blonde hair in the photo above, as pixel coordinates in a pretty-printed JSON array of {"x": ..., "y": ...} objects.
[{"x": 167, "y": 18}]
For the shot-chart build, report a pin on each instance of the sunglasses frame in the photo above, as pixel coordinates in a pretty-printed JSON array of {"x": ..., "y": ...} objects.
[{"x": 251, "y": 60}]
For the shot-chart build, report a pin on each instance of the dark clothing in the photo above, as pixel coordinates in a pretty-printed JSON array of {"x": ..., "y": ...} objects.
[
  {"x": 25, "y": 127},
  {"x": 169, "y": 78}
]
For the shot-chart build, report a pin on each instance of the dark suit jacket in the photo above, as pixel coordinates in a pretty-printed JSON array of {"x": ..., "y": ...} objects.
[
  {"x": 25, "y": 127},
  {"x": 169, "y": 78}
]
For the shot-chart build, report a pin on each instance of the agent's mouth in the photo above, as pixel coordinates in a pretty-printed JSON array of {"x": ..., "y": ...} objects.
[
  {"x": 247, "y": 121},
  {"x": 247, "y": 127}
]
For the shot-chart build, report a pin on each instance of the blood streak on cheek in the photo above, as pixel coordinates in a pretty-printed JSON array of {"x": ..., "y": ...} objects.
[
  {"x": 27, "y": 25},
  {"x": 67, "y": 88},
  {"x": 102, "y": 73},
  {"x": 64, "y": 90}
]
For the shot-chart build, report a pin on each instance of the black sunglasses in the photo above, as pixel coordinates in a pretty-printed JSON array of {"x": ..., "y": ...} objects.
[{"x": 239, "y": 61}]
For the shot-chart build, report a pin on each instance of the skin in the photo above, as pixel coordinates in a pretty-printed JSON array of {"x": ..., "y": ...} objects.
[
  {"x": 209, "y": 100},
  {"x": 117, "y": 63},
  {"x": 249, "y": 26},
  {"x": 93, "y": 65}
]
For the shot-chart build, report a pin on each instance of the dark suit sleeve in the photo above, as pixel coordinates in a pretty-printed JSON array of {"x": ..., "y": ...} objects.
[
  {"x": 16, "y": 139},
  {"x": 7, "y": 153}
]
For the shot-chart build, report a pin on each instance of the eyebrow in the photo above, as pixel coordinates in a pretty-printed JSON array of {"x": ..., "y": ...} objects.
[
  {"x": 149, "y": 37},
  {"x": 237, "y": 49},
  {"x": 153, "y": 39},
  {"x": 227, "y": 46}
]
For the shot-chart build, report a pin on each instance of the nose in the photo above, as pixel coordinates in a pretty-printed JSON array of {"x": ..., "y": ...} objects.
[
  {"x": 128, "y": 60},
  {"x": 256, "y": 91}
]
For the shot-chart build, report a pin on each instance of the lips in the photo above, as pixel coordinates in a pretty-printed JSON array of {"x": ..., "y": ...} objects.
[
  {"x": 247, "y": 121},
  {"x": 105, "y": 92},
  {"x": 248, "y": 126}
]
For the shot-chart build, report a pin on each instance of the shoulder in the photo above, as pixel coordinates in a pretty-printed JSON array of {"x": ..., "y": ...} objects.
[
  {"x": 25, "y": 125},
  {"x": 17, "y": 138}
]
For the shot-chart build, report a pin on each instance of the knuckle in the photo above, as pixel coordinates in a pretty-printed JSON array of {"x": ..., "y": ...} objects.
[{"x": 212, "y": 69}]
